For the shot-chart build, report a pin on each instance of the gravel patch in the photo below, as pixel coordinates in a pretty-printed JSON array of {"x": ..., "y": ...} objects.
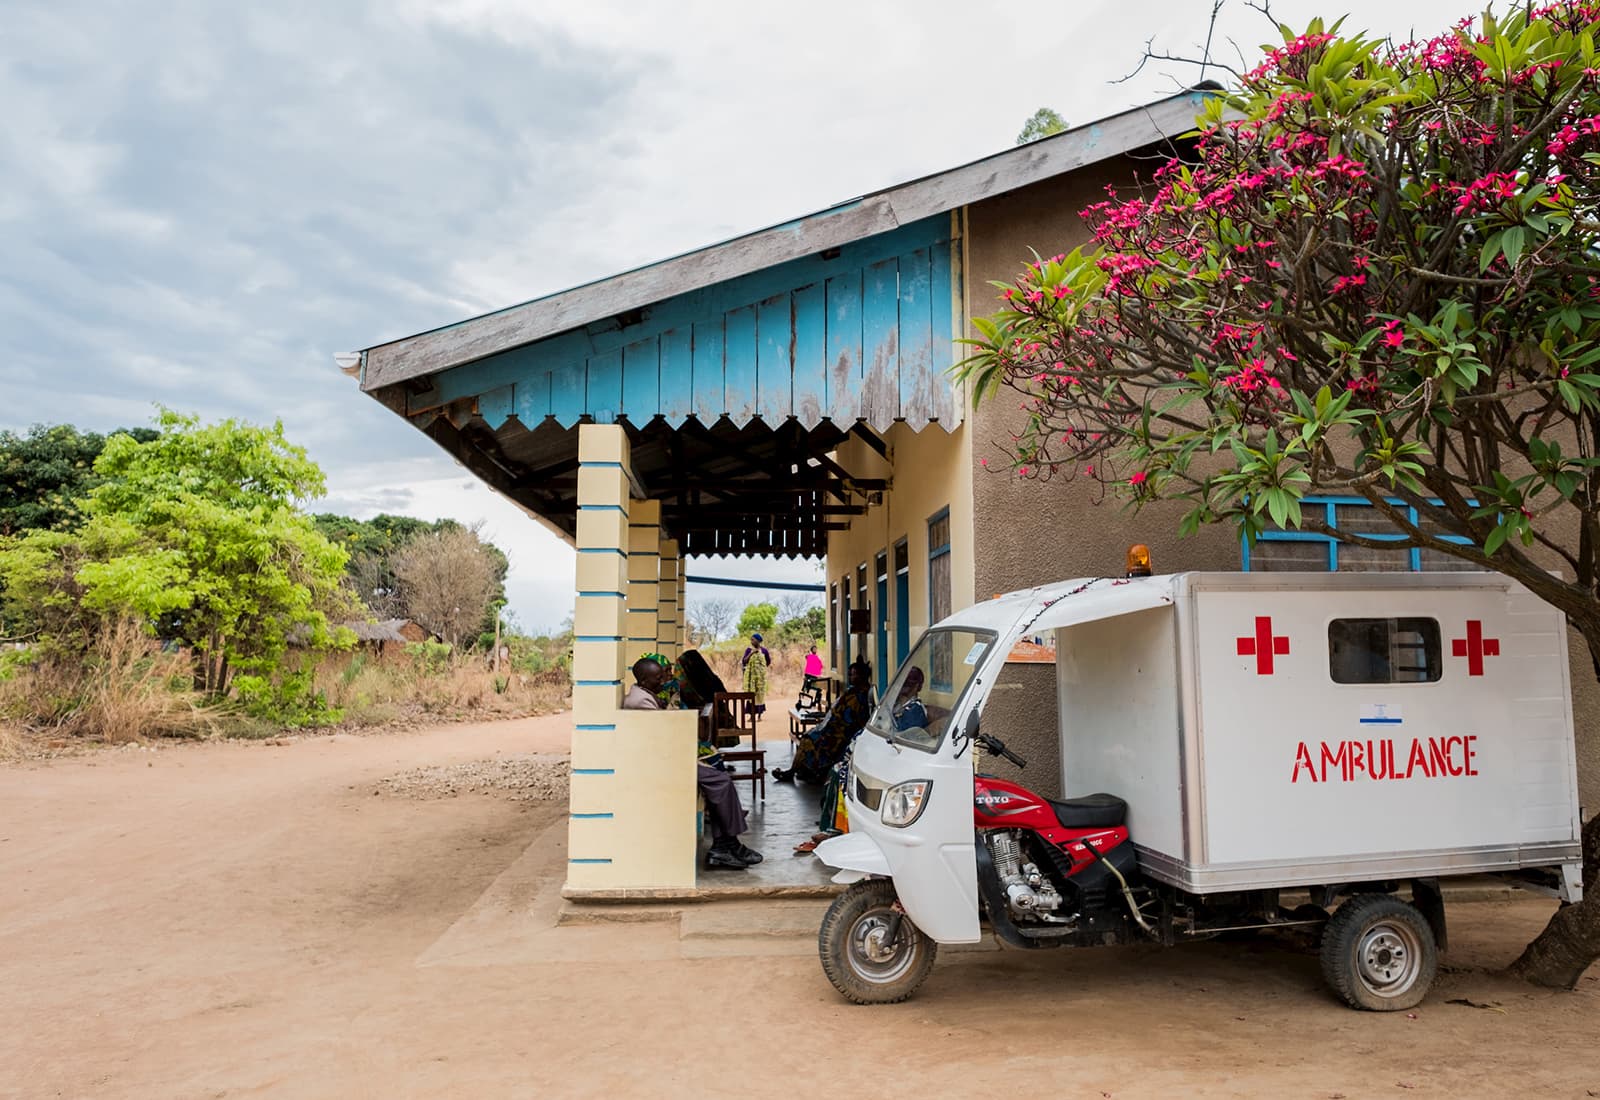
[{"x": 534, "y": 777}]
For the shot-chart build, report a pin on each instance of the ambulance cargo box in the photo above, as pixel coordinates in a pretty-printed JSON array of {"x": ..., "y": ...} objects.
[{"x": 1277, "y": 729}]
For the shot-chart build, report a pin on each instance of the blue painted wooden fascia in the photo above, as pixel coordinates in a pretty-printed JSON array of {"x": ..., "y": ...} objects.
[{"x": 866, "y": 333}]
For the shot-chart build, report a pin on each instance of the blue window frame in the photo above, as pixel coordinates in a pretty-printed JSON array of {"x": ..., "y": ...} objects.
[{"x": 1314, "y": 551}]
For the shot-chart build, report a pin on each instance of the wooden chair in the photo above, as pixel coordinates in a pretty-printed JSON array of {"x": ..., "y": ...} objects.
[{"x": 734, "y": 716}]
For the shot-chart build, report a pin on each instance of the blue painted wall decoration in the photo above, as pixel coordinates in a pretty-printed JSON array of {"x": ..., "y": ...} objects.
[{"x": 866, "y": 331}]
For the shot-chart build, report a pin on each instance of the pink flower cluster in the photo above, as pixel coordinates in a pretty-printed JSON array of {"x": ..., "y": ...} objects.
[
  {"x": 1486, "y": 193},
  {"x": 1252, "y": 379},
  {"x": 1571, "y": 134}
]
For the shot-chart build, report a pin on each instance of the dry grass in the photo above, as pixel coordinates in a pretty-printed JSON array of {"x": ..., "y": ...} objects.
[
  {"x": 374, "y": 692},
  {"x": 124, "y": 689},
  {"x": 127, "y": 689}
]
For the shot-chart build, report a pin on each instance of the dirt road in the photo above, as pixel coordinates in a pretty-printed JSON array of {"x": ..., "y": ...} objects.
[{"x": 252, "y": 920}]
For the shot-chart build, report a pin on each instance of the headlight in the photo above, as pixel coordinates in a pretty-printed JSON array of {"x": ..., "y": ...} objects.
[{"x": 902, "y": 803}]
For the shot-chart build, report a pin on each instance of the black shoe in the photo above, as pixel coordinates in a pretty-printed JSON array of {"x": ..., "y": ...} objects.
[
  {"x": 750, "y": 856},
  {"x": 783, "y": 776},
  {"x": 724, "y": 857}
]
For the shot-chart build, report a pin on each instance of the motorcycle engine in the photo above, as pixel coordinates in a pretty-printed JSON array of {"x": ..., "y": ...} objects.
[{"x": 1029, "y": 895}]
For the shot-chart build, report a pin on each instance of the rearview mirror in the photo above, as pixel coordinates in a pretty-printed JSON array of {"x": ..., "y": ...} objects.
[{"x": 969, "y": 728}]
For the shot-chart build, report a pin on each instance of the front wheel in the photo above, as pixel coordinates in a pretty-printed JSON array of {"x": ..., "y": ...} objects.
[
  {"x": 870, "y": 950},
  {"x": 1378, "y": 953}
]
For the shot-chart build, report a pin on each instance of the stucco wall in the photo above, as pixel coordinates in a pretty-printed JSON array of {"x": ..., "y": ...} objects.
[
  {"x": 930, "y": 470},
  {"x": 1030, "y": 532}
]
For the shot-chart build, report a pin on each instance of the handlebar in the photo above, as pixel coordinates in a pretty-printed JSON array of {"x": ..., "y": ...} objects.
[{"x": 996, "y": 747}]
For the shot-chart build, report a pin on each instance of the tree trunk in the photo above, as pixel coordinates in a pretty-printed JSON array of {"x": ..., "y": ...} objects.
[{"x": 1570, "y": 943}]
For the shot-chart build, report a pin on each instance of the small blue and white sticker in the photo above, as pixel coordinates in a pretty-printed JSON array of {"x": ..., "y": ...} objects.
[
  {"x": 1381, "y": 714},
  {"x": 975, "y": 652}
]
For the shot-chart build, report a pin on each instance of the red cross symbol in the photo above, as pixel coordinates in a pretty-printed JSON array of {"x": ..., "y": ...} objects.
[
  {"x": 1262, "y": 645},
  {"x": 1475, "y": 647}
]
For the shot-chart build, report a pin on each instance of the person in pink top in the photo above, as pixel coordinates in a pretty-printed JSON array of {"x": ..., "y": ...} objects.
[{"x": 813, "y": 669}]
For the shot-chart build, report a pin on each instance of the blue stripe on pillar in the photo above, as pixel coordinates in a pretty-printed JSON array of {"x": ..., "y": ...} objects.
[
  {"x": 599, "y": 727},
  {"x": 602, "y": 550},
  {"x": 593, "y": 816},
  {"x": 597, "y": 637},
  {"x": 588, "y": 861},
  {"x": 597, "y": 683},
  {"x": 594, "y": 771},
  {"x": 619, "y": 595}
]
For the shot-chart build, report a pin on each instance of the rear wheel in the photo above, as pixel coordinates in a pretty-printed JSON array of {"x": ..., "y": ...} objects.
[
  {"x": 1378, "y": 953},
  {"x": 870, "y": 950}
]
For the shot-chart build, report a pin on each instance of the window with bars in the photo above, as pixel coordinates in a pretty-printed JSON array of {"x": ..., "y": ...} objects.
[
  {"x": 1313, "y": 552},
  {"x": 942, "y": 672}
]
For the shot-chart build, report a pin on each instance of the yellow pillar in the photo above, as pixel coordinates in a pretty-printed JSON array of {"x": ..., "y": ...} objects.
[
  {"x": 667, "y": 605},
  {"x": 632, "y": 803},
  {"x": 644, "y": 579},
  {"x": 683, "y": 605}
]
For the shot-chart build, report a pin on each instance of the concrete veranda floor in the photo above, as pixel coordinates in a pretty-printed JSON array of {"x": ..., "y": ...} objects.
[{"x": 787, "y": 816}]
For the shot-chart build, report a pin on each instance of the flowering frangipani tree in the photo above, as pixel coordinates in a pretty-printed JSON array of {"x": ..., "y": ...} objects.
[{"x": 1373, "y": 272}]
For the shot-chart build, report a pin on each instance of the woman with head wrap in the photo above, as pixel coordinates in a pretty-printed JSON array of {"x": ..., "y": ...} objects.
[{"x": 755, "y": 663}]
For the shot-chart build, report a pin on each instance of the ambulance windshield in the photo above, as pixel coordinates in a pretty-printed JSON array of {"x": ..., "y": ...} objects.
[{"x": 926, "y": 691}]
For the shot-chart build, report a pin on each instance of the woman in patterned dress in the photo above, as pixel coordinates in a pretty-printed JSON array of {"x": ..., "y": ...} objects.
[{"x": 755, "y": 663}]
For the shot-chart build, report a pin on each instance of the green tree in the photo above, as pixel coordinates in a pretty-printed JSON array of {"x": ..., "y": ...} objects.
[
  {"x": 196, "y": 532},
  {"x": 1041, "y": 124},
  {"x": 1376, "y": 277},
  {"x": 757, "y": 618},
  {"x": 373, "y": 546},
  {"x": 806, "y": 627},
  {"x": 46, "y": 472}
]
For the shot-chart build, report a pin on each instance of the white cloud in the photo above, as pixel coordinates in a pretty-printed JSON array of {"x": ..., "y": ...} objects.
[{"x": 200, "y": 204}]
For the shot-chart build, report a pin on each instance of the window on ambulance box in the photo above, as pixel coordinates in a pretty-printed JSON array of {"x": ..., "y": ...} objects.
[{"x": 1384, "y": 651}]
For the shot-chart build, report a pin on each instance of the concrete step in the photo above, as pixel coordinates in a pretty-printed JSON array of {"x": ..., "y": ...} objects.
[{"x": 765, "y": 920}]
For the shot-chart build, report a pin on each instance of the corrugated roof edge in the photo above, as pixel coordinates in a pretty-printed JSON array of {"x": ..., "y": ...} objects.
[{"x": 487, "y": 334}]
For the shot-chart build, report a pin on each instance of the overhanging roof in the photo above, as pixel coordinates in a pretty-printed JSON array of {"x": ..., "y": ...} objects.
[
  {"x": 739, "y": 368},
  {"x": 439, "y": 349}
]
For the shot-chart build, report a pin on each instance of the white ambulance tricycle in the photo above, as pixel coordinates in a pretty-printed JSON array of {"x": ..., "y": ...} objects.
[{"x": 1240, "y": 741}]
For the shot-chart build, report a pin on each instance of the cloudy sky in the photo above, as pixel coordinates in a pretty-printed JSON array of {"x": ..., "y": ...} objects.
[{"x": 200, "y": 203}]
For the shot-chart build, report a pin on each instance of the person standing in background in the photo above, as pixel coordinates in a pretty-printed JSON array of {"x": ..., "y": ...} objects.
[
  {"x": 755, "y": 663},
  {"x": 814, "y": 669}
]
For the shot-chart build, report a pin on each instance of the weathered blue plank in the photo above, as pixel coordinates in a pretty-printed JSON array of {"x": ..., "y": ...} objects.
[
  {"x": 880, "y": 343},
  {"x": 641, "y": 381},
  {"x": 844, "y": 348},
  {"x": 677, "y": 374},
  {"x": 533, "y": 399},
  {"x": 739, "y": 364},
  {"x": 496, "y": 405},
  {"x": 810, "y": 377},
  {"x": 605, "y": 386},
  {"x": 774, "y": 360},
  {"x": 916, "y": 319},
  {"x": 568, "y": 396},
  {"x": 946, "y": 329},
  {"x": 709, "y": 377}
]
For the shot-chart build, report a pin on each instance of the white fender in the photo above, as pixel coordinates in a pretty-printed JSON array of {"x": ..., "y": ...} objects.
[{"x": 856, "y": 855}]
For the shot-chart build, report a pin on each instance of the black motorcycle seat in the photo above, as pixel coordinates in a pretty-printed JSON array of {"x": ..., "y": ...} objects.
[{"x": 1091, "y": 811}]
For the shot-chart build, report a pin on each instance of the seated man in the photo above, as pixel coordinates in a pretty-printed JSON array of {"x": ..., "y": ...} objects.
[
  {"x": 723, "y": 809},
  {"x": 816, "y": 751},
  {"x": 909, "y": 713}
]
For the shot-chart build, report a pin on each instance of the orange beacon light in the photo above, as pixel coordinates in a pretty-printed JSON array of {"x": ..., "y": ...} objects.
[{"x": 1138, "y": 560}]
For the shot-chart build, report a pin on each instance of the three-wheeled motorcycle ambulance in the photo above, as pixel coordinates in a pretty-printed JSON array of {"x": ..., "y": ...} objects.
[{"x": 1348, "y": 739}]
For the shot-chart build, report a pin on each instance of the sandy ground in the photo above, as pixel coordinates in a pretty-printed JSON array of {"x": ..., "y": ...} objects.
[{"x": 243, "y": 920}]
